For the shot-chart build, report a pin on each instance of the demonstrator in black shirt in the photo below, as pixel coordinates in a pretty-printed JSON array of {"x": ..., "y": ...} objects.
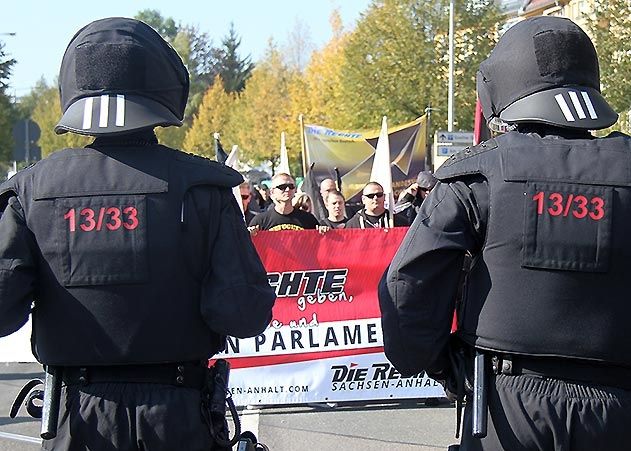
[{"x": 284, "y": 216}]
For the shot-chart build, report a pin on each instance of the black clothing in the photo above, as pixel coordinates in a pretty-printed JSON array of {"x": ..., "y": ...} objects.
[
  {"x": 141, "y": 223},
  {"x": 407, "y": 208},
  {"x": 133, "y": 254},
  {"x": 545, "y": 220},
  {"x": 559, "y": 234},
  {"x": 296, "y": 220},
  {"x": 334, "y": 224},
  {"x": 249, "y": 215},
  {"x": 362, "y": 220},
  {"x": 558, "y": 409},
  {"x": 131, "y": 417}
]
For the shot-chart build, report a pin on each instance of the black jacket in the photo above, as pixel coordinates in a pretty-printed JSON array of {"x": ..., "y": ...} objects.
[
  {"x": 546, "y": 221},
  {"x": 130, "y": 254}
]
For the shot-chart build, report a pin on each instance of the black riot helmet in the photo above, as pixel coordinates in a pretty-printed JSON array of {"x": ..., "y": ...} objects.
[
  {"x": 544, "y": 70},
  {"x": 118, "y": 75}
]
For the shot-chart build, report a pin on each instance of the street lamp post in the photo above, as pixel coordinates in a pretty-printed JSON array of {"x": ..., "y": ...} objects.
[{"x": 450, "y": 102}]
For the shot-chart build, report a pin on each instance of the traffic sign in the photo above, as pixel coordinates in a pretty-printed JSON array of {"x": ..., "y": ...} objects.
[
  {"x": 464, "y": 138},
  {"x": 446, "y": 150},
  {"x": 25, "y": 135}
]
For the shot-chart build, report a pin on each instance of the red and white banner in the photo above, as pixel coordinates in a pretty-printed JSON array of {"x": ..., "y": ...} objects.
[{"x": 324, "y": 343}]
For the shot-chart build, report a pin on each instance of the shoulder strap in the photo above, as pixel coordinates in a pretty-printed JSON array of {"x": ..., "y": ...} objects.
[
  {"x": 202, "y": 171},
  {"x": 466, "y": 161}
]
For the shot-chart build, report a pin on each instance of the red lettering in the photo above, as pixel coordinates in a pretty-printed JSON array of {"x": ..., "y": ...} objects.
[
  {"x": 116, "y": 222},
  {"x": 581, "y": 210},
  {"x": 132, "y": 218},
  {"x": 599, "y": 208},
  {"x": 113, "y": 221},
  {"x": 88, "y": 216},
  {"x": 568, "y": 204},
  {"x": 560, "y": 204},
  {"x": 70, "y": 216},
  {"x": 557, "y": 200},
  {"x": 539, "y": 199},
  {"x": 99, "y": 223}
]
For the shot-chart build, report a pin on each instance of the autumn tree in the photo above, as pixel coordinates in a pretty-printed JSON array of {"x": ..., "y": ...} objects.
[
  {"x": 610, "y": 26},
  {"x": 263, "y": 109},
  {"x": 212, "y": 116},
  {"x": 318, "y": 94}
]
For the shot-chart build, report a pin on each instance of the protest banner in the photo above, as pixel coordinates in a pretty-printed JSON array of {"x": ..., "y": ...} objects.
[
  {"x": 352, "y": 153},
  {"x": 324, "y": 343}
]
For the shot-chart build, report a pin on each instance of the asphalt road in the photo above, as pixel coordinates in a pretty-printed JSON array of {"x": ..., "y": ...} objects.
[{"x": 400, "y": 426}]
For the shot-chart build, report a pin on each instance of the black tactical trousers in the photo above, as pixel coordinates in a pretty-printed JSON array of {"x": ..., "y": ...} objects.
[
  {"x": 528, "y": 412},
  {"x": 130, "y": 417}
]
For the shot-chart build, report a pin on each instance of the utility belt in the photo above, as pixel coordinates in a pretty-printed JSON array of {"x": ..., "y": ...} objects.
[
  {"x": 561, "y": 368},
  {"x": 212, "y": 383},
  {"x": 470, "y": 367},
  {"x": 184, "y": 374}
]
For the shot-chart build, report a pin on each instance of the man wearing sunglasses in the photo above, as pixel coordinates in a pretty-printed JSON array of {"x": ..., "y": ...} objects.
[
  {"x": 374, "y": 213},
  {"x": 246, "y": 196},
  {"x": 283, "y": 216}
]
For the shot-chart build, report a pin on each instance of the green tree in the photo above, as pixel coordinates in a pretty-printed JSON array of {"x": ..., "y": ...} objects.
[
  {"x": 7, "y": 110},
  {"x": 233, "y": 69},
  {"x": 164, "y": 25},
  {"x": 26, "y": 104},
  {"x": 610, "y": 27},
  {"x": 397, "y": 60},
  {"x": 5, "y": 69},
  {"x": 46, "y": 114},
  {"x": 198, "y": 54}
]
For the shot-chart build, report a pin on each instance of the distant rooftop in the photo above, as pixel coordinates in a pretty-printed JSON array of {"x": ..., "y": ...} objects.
[{"x": 532, "y": 5}]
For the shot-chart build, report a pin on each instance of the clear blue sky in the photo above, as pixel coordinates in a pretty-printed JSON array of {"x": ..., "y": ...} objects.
[{"x": 44, "y": 28}]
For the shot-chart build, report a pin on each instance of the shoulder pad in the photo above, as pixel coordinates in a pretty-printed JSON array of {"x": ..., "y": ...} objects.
[
  {"x": 7, "y": 191},
  {"x": 465, "y": 162},
  {"x": 203, "y": 171}
]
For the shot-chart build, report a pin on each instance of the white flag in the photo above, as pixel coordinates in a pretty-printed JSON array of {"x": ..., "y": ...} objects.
[
  {"x": 233, "y": 162},
  {"x": 283, "y": 165},
  {"x": 381, "y": 168}
]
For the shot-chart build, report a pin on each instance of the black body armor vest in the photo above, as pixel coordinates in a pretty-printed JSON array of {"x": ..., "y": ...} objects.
[
  {"x": 553, "y": 276},
  {"x": 118, "y": 283}
]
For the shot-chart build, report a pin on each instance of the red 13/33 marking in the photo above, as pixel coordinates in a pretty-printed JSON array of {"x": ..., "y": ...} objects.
[
  {"x": 562, "y": 205},
  {"x": 114, "y": 218}
]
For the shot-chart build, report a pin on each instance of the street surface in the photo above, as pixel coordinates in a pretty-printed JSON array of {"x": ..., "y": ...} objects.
[{"x": 400, "y": 426}]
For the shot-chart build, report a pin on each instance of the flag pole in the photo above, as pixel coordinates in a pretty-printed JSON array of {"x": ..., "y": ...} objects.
[
  {"x": 450, "y": 107},
  {"x": 303, "y": 153}
]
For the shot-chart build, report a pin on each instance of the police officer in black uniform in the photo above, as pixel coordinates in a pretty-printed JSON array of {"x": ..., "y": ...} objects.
[
  {"x": 132, "y": 257},
  {"x": 543, "y": 212}
]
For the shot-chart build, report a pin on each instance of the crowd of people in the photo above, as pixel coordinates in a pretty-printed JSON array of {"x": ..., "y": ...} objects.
[{"x": 285, "y": 207}]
